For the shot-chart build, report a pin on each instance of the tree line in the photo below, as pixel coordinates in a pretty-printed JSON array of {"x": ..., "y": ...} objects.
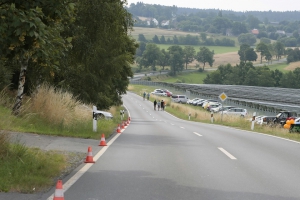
[
  {"x": 285, "y": 29},
  {"x": 78, "y": 45},
  {"x": 202, "y": 39},
  {"x": 246, "y": 74},
  {"x": 149, "y": 55}
]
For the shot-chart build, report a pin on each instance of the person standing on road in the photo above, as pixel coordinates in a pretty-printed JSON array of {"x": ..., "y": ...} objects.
[
  {"x": 155, "y": 104},
  {"x": 162, "y": 105},
  {"x": 144, "y": 96},
  {"x": 158, "y": 105},
  {"x": 148, "y": 96}
]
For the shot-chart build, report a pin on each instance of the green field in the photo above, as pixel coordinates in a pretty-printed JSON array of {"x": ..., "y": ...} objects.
[
  {"x": 281, "y": 67},
  {"x": 217, "y": 49},
  {"x": 193, "y": 78}
]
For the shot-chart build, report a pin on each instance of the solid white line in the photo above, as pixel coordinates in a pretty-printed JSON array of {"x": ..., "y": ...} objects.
[
  {"x": 181, "y": 127},
  {"x": 227, "y": 154},
  {"x": 86, "y": 167},
  {"x": 197, "y": 134}
]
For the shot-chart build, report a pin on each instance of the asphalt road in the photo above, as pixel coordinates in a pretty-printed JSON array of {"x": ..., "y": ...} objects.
[{"x": 160, "y": 157}]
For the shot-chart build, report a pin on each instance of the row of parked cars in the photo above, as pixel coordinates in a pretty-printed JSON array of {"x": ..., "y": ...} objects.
[
  {"x": 207, "y": 104},
  {"x": 215, "y": 106}
]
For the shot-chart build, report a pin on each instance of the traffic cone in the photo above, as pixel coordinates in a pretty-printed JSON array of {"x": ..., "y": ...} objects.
[
  {"x": 125, "y": 123},
  {"x": 129, "y": 118},
  {"x": 118, "y": 129},
  {"x": 102, "y": 141},
  {"x": 128, "y": 121},
  {"x": 89, "y": 157},
  {"x": 59, "y": 192},
  {"x": 122, "y": 125}
]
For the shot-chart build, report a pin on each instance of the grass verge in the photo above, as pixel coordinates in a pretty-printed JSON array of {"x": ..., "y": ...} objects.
[{"x": 48, "y": 111}]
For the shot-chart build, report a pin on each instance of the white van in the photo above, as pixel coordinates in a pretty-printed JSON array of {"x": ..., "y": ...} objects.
[{"x": 180, "y": 98}]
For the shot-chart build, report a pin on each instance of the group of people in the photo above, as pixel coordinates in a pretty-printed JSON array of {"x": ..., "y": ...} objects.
[
  {"x": 146, "y": 94},
  {"x": 160, "y": 105}
]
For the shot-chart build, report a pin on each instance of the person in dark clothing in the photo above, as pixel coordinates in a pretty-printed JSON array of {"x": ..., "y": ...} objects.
[
  {"x": 162, "y": 105},
  {"x": 155, "y": 104}
]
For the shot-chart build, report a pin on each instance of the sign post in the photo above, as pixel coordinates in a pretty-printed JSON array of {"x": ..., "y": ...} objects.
[
  {"x": 222, "y": 97},
  {"x": 94, "y": 119},
  {"x": 253, "y": 121}
]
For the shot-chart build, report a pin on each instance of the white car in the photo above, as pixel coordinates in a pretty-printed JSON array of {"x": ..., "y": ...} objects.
[
  {"x": 236, "y": 111},
  {"x": 102, "y": 114},
  {"x": 191, "y": 101},
  {"x": 159, "y": 92},
  {"x": 180, "y": 98}
]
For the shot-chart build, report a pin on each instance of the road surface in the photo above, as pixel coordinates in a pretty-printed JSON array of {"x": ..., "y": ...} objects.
[{"x": 160, "y": 157}]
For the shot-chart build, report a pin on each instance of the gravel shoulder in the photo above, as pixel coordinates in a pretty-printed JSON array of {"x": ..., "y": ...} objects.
[{"x": 75, "y": 150}]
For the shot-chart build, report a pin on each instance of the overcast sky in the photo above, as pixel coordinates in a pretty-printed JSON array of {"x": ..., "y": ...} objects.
[{"x": 235, "y": 5}]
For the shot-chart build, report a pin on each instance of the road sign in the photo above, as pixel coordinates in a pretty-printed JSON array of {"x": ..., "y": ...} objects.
[{"x": 223, "y": 96}]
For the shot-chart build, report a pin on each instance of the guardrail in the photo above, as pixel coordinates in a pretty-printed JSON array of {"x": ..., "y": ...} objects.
[{"x": 267, "y": 100}]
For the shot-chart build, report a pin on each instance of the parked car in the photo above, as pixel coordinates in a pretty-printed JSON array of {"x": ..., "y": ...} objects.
[
  {"x": 213, "y": 105},
  {"x": 283, "y": 116},
  {"x": 195, "y": 103},
  {"x": 200, "y": 103},
  {"x": 180, "y": 98},
  {"x": 205, "y": 104},
  {"x": 224, "y": 108},
  {"x": 159, "y": 92},
  {"x": 167, "y": 92},
  {"x": 103, "y": 115},
  {"x": 190, "y": 101},
  {"x": 236, "y": 111}
]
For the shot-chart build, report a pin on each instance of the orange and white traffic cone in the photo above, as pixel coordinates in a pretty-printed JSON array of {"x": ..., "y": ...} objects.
[
  {"x": 102, "y": 141},
  {"x": 59, "y": 192},
  {"x": 118, "y": 129},
  {"x": 122, "y": 125},
  {"x": 128, "y": 121},
  {"x": 125, "y": 123},
  {"x": 89, "y": 157},
  {"x": 129, "y": 118}
]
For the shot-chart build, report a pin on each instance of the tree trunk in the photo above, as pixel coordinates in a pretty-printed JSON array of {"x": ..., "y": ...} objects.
[{"x": 18, "y": 103}]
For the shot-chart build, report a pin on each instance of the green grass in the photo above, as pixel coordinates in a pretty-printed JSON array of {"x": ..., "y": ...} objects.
[
  {"x": 192, "y": 78},
  {"x": 216, "y": 49},
  {"x": 280, "y": 67}
]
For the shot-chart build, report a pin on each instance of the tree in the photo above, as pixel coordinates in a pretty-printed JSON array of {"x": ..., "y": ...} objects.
[
  {"x": 164, "y": 58},
  {"x": 97, "y": 68},
  {"x": 162, "y": 40},
  {"x": 188, "y": 55},
  {"x": 247, "y": 53},
  {"x": 205, "y": 56},
  {"x": 32, "y": 33},
  {"x": 263, "y": 49},
  {"x": 155, "y": 39},
  {"x": 176, "y": 60},
  {"x": 151, "y": 56},
  {"x": 142, "y": 38},
  {"x": 279, "y": 49},
  {"x": 239, "y": 28},
  {"x": 247, "y": 38}
]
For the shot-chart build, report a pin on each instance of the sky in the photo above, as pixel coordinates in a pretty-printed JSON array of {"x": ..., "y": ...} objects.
[{"x": 235, "y": 5}]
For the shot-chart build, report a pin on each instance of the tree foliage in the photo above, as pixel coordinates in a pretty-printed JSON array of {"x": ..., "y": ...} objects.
[{"x": 205, "y": 56}]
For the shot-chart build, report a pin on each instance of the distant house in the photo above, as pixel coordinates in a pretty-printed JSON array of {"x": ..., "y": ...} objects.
[
  {"x": 148, "y": 20},
  {"x": 280, "y": 32},
  {"x": 228, "y": 32},
  {"x": 255, "y": 31},
  {"x": 165, "y": 23},
  {"x": 153, "y": 20}
]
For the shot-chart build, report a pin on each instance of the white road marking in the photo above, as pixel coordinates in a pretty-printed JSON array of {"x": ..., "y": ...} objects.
[
  {"x": 197, "y": 134},
  {"x": 172, "y": 124},
  {"x": 227, "y": 154},
  {"x": 181, "y": 127}
]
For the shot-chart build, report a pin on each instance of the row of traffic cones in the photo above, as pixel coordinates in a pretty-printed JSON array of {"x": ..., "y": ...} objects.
[{"x": 59, "y": 193}]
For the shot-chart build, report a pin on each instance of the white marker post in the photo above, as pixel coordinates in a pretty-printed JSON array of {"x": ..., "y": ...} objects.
[
  {"x": 253, "y": 121},
  {"x": 211, "y": 117},
  {"x": 94, "y": 119},
  {"x": 189, "y": 116}
]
